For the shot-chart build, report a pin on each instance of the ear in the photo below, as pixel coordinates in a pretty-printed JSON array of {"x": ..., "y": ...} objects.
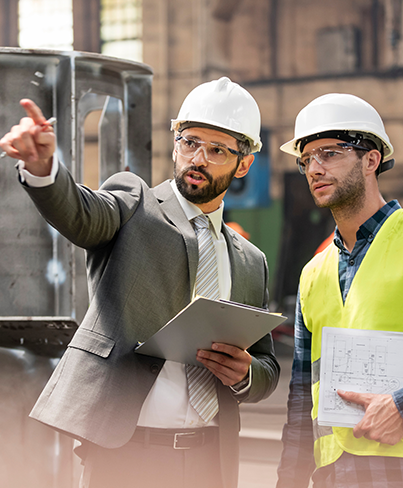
[
  {"x": 244, "y": 166},
  {"x": 372, "y": 161}
]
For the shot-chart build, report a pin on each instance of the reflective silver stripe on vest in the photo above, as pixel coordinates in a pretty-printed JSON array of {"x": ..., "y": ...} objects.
[
  {"x": 315, "y": 371},
  {"x": 318, "y": 430}
]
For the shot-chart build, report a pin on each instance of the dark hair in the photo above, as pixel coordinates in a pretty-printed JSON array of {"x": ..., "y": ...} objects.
[
  {"x": 244, "y": 147},
  {"x": 369, "y": 145}
]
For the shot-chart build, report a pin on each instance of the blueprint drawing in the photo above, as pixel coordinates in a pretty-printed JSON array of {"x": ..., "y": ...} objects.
[{"x": 363, "y": 361}]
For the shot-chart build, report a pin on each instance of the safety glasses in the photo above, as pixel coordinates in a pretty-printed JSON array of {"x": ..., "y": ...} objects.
[
  {"x": 214, "y": 152},
  {"x": 327, "y": 156}
]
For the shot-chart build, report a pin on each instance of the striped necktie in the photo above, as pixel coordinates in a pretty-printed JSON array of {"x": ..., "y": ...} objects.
[{"x": 201, "y": 382}]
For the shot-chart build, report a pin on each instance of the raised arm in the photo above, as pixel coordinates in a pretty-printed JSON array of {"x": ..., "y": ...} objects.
[{"x": 88, "y": 218}]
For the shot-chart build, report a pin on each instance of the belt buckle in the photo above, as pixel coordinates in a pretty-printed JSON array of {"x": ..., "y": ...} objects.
[{"x": 177, "y": 439}]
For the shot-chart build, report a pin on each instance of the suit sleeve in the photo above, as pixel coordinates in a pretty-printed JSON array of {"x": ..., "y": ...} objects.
[
  {"x": 90, "y": 219},
  {"x": 265, "y": 368}
]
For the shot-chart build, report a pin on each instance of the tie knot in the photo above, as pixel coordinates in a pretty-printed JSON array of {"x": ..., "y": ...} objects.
[{"x": 201, "y": 222}]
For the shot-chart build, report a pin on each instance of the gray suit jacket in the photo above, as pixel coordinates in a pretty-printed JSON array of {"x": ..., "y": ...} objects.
[{"x": 142, "y": 259}]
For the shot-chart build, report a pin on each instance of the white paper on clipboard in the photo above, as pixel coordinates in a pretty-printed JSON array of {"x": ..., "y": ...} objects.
[{"x": 205, "y": 321}]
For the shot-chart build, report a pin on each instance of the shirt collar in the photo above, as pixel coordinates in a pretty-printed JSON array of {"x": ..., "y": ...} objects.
[
  {"x": 192, "y": 211},
  {"x": 370, "y": 228}
]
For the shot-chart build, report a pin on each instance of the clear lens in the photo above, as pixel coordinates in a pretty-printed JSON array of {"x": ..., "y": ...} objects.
[
  {"x": 301, "y": 166},
  {"x": 213, "y": 152},
  {"x": 326, "y": 156}
]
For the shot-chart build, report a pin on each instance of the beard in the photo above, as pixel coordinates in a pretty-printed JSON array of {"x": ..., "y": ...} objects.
[
  {"x": 209, "y": 192},
  {"x": 349, "y": 193}
]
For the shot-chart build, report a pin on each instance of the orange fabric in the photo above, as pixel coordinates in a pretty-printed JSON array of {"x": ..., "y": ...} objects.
[
  {"x": 325, "y": 243},
  {"x": 237, "y": 228}
]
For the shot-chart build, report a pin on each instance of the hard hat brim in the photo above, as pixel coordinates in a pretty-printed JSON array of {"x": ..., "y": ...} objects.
[
  {"x": 292, "y": 147},
  {"x": 255, "y": 145}
]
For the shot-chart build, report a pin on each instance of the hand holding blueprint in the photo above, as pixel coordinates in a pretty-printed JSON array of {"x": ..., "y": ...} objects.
[{"x": 364, "y": 361}]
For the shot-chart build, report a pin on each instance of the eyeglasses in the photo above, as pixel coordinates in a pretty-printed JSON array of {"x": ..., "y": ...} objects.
[
  {"x": 328, "y": 155},
  {"x": 213, "y": 152}
]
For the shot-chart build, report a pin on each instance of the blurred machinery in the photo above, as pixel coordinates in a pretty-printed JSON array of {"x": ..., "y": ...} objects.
[{"x": 42, "y": 275}]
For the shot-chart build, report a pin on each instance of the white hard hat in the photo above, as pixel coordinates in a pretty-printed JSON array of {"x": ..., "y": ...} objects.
[
  {"x": 339, "y": 112},
  {"x": 225, "y": 105}
]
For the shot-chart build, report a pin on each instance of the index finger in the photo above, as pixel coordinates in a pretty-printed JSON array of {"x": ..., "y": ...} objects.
[
  {"x": 352, "y": 396},
  {"x": 33, "y": 111}
]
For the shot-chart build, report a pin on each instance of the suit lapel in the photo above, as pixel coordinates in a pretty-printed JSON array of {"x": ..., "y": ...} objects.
[
  {"x": 171, "y": 208},
  {"x": 237, "y": 259}
]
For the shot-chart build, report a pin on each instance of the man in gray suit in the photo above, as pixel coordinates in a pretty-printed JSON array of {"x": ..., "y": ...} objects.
[{"x": 130, "y": 412}]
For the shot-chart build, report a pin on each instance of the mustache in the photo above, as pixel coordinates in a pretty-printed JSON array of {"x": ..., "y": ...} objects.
[
  {"x": 321, "y": 181},
  {"x": 200, "y": 170}
]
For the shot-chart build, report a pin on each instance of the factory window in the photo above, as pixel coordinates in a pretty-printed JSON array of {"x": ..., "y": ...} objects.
[
  {"x": 339, "y": 50},
  {"x": 46, "y": 24},
  {"x": 122, "y": 28}
]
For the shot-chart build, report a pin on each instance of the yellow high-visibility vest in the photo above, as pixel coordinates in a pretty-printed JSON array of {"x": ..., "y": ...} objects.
[{"x": 374, "y": 301}]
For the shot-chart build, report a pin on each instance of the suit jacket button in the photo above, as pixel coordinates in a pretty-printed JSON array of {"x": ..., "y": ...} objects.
[{"x": 155, "y": 368}]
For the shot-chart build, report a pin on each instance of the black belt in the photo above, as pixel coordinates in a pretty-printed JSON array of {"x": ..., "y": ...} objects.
[{"x": 177, "y": 439}]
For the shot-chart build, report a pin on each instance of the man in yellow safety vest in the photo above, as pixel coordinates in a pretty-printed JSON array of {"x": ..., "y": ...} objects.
[{"x": 355, "y": 283}]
